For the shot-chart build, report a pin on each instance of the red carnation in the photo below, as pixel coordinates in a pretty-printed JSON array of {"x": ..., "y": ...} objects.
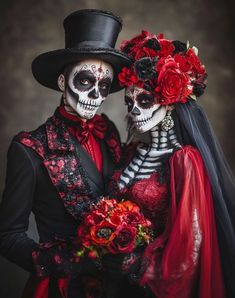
[
  {"x": 167, "y": 48},
  {"x": 127, "y": 77},
  {"x": 183, "y": 62},
  {"x": 193, "y": 59},
  {"x": 139, "y": 52},
  {"x": 135, "y": 40}
]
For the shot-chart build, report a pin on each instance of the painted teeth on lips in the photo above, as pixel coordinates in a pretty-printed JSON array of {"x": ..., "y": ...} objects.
[
  {"x": 142, "y": 122},
  {"x": 90, "y": 106}
]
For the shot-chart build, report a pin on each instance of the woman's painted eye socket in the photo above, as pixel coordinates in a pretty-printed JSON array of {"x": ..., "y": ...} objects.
[
  {"x": 104, "y": 86},
  {"x": 84, "y": 82},
  {"x": 145, "y": 100}
]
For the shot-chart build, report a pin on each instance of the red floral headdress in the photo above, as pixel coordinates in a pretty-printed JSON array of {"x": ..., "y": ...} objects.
[{"x": 170, "y": 69}]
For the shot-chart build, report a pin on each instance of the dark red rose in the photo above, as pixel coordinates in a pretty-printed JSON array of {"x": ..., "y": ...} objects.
[
  {"x": 172, "y": 84},
  {"x": 124, "y": 242},
  {"x": 134, "y": 218}
]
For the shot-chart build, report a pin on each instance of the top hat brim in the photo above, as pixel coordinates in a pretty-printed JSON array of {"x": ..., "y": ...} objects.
[{"x": 47, "y": 67}]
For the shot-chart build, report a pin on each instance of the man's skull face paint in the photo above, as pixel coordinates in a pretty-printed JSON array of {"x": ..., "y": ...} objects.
[
  {"x": 87, "y": 86},
  {"x": 142, "y": 108}
]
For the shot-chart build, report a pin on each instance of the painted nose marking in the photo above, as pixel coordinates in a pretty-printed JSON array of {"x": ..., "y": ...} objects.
[
  {"x": 93, "y": 94},
  {"x": 135, "y": 111}
]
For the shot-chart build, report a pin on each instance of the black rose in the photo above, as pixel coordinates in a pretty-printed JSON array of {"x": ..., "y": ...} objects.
[
  {"x": 153, "y": 44},
  {"x": 127, "y": 48},
  {"x": 199, "y": 85},
  {"x": 145, "y": 68},
  {"x": 179, "y": 46},
  {"x": 198, "y": 89}
]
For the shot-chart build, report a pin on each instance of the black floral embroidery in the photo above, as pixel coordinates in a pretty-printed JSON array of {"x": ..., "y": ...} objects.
[
  {"x": 57, "y": 147},
  {"x": 112, "y": 138}
]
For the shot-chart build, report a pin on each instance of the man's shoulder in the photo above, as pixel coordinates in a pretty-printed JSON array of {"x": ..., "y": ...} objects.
[
  {"x": 33, "y": 134},
  {"x": 35, "y": 139}
]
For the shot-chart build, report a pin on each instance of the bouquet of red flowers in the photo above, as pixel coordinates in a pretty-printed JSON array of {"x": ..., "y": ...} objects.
[{"x": 113, "y": 227}]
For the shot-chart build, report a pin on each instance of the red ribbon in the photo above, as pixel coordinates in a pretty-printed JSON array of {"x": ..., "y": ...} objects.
[
  {"x": 97, "y": 126},
  {"x": 81, "y": 129}
]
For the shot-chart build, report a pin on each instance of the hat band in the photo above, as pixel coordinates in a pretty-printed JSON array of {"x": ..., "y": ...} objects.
[{"x": 90, "y": 44}]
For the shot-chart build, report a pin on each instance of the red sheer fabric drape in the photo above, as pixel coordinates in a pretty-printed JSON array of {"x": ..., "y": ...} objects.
[{"x": 184, "y": 261}]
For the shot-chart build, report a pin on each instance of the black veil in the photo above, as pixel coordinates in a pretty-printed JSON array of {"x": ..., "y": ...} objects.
[{"x": 194, "y": 128}]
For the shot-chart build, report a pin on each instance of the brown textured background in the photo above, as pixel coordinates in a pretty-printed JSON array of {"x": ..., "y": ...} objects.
[{"x": 30, "y": 27}]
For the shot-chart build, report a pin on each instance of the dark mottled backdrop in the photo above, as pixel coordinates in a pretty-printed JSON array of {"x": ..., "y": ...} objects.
[{"x": 29, "y": 27}]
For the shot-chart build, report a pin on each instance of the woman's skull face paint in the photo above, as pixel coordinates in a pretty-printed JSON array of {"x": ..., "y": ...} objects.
[
  {"x": 87, "y": 85},
  {"x": 142, "y": 108}
]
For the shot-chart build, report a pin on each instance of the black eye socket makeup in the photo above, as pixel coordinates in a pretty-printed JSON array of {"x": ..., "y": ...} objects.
[
  {"x": 129, "y": 102},
  {"x": 145, "y": 101},
  {"x": 104, "y": 86},
  {"x": 84, "y": 80}
]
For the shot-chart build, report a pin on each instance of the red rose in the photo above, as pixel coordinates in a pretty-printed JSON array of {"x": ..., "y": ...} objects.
[
  {"x": 139, "y": 52},
  {"x": 183, "y": 63},
  {"x": 116, "y": 217},
  {"x": 106, "y": 205},
  {"x": 124, "y": 242},
  {"x": 127, "y": 77},
  {"x": 167, "y": 48},
  {"x": 193, "y": 59},
  {"x": 134, "y": 218},
  {"x": 94, "y": 218},
  {"x": 172, "y": 84}
]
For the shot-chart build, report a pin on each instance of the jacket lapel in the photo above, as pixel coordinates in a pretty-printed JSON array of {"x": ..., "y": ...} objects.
[
  {"x": 108, "y": 164},
  {"x": 64, "y": 168},
  {"x": 71, "y": 169},
  {"x": 93, "y": 176}
]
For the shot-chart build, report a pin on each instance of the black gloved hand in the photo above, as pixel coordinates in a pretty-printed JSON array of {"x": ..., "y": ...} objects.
[
  {"x": 88, "y": 266},
  {"x": 122, "y": 264},
  {"x": 60, "y": 261}
]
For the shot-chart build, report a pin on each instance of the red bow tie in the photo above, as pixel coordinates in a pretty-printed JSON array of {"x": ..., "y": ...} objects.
[
  {"x": 81, "y": 129},
  {"x": 97, "y": 126}
]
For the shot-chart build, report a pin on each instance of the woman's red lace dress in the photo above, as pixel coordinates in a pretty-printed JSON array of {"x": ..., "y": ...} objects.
[{"x": 183, "y": 261}]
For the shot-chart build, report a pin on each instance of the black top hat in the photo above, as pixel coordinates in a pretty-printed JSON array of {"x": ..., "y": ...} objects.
[{"x": 89, "y": 33}]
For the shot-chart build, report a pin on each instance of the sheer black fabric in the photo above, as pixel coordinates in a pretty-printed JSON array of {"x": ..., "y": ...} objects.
[{"x": 194, "y": 128}]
